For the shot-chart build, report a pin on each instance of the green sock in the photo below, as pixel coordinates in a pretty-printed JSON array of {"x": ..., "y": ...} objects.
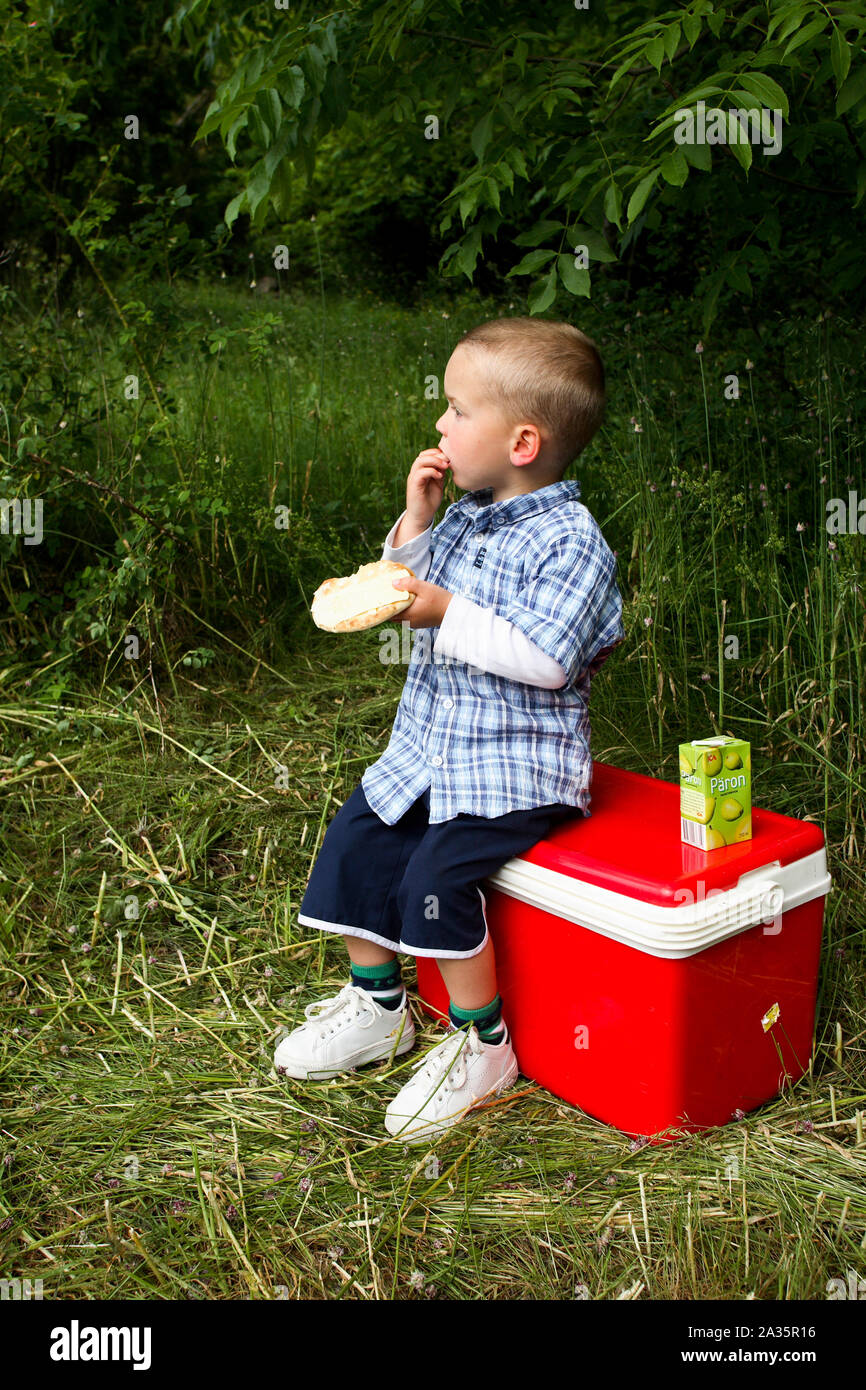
[
  {"x": 384, "y": 982},
  {"x": 488, "y": 1020}
]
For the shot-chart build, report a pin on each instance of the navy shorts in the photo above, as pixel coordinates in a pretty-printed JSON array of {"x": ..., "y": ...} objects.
[{"x": 413, "y": 886}]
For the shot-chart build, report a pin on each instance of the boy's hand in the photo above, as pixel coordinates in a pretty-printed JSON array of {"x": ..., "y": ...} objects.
[
  {"x": 430, "y": 603},
  {"x": 425, "y": 487}
]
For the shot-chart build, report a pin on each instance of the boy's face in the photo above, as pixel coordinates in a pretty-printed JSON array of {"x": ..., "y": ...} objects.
[{"x": 484, "y": 450}]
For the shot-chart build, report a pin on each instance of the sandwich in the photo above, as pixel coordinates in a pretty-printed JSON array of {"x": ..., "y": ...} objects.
[{"x": 361, "y": 600}]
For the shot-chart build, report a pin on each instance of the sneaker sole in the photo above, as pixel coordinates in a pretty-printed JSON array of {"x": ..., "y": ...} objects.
[{"x": 376, "y": 1052}]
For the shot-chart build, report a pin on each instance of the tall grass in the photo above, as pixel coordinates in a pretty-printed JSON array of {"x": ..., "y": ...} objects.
[{"x": 155, "y": 855}]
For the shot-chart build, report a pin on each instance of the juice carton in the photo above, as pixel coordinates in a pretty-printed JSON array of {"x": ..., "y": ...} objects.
[{"x": 715, "y": 792}]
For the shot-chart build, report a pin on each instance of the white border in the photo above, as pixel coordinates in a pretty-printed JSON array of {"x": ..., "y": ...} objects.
[{"x": 401, "y": 945}]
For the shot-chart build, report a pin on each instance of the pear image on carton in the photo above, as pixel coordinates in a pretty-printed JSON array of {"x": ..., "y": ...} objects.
[{"x": 715, "y": 792}]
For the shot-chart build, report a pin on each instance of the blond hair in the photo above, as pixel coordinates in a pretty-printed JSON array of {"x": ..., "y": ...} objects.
[{"x": 544, "y": 372}]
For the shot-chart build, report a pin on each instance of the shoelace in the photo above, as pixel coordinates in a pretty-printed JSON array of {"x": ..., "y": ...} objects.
[
  {"x": 322, "y": 1009},
  {"x": 440, "y": 1064}
]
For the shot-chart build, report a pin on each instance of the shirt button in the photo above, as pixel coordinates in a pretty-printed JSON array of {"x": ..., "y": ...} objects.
[
  {"x": 447, "y": 704},
  {"x": 436, "y": 760}
]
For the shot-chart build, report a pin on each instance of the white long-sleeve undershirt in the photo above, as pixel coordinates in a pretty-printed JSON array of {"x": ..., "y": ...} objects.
[{"x": 474, "y": 634}]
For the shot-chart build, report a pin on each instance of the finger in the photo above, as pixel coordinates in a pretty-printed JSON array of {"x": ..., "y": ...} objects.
[{"x": 436, "y": 466}]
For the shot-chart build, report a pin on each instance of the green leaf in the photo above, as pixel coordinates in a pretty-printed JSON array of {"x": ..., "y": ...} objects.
[
  {"x": 232, "y": 136},
  {"x": 517, "y": 162},
  {"x": 260, "y": 133},
  {"x": 480, "y": 137},
  {"x": 540, "y": 232},
  {"x": 544, "y": 294},
  {"x": 640, "y": 195},
  {"x": 853, "y": 91},
  {"x": 671, "y": 40},
  {"x": 691, "y": 28},
  {"x": 699, "y": 156},
  {"x": 666, "y": 124},
  {"x": 711, "y": 299},
  {"x": 212, "y": 118},
  {"x": 532, "y": 262},
  {"x": 581, "y": 235},
  {"x": 742, "y": 152},
  {"x": 769, "y": 229},
  {"x": 840, "y": 56},
  {"x": 706, "y": 89},
  {"x": 675, "y": 169},
  {"x": 257, "y": 189},
  {"x": 468, "y": 253},
  {"x": 234, "y": 207},
  {"x": 281, "y": 189},
  {"x": 470, "y": 199},
  {"x": 291, "y": 84},
  {"x": 737, "y": 277},
  {"x": 745, "y": 100},
  {"x": 314, "y": 59},
  {"x": 623, "y": 68},
  {"x": 505, "y": 175},
  {"x": 809, "y": 31},
  {"x": 576, "y": 281},
  {"x": 757, "y": 259},
  {"x": 655, "y": 52},
  {"x": 271, "y": 111},
  {"x": 861, "y": 185},
  {"x": 788, "y": 16},
  {"x": 749, "y": 17},
  {"x": 768, "y": 92},
  {"x": 276, "y": 153},
  {"x": 613, "y": 204}
]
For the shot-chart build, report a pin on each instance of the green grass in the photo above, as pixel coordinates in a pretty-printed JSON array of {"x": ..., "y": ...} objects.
[
  {"x": 149, "y": 1152},
  {"x": 152, "y": 1153}
]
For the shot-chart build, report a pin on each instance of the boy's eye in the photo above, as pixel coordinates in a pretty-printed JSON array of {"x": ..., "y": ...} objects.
[{"x": 456, "y": 411}]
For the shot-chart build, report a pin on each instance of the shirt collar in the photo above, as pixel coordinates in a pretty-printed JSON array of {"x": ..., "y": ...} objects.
[{"x": 487, "y": 514}]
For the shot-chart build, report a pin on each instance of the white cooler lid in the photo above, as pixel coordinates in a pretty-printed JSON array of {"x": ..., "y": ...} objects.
[{"x": 625, "y": 873}]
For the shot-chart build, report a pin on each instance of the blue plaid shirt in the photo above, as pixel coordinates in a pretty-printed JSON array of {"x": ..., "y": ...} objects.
[{"x": 486, "y": 744}]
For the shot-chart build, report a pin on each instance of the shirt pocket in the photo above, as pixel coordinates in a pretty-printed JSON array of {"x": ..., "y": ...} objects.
[{"x": 492, "y": 573}]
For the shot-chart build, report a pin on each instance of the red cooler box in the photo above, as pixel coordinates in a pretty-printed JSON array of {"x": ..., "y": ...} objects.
[{"x": 656, "y": 986}]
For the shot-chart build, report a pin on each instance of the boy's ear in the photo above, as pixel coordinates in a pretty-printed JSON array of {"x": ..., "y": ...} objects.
[{"x": 526, "y": 445}]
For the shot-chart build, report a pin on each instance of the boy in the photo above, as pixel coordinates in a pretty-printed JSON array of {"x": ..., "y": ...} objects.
[{"x": 490, "y": 747}]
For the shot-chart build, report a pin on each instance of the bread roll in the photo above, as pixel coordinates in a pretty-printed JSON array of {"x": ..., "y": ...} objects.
[{"x": 362, "y": 599}]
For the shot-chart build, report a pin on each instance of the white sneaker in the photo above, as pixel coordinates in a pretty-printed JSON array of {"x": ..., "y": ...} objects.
[
  {"x": 342, "y": 1033},
  {"x": 454, "y": 1077}
]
